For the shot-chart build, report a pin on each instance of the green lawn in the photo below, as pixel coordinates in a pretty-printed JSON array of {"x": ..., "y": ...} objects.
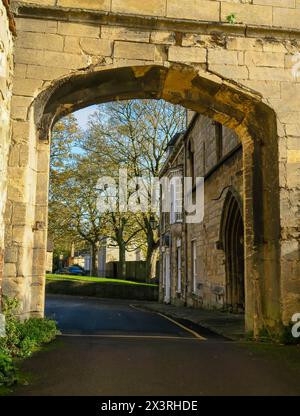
[{"x": 94, "y": 279}]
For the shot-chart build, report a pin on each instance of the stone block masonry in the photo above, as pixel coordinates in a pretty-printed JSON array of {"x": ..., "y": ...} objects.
[
  {"x": 6, "y": 73},
  {"x": 276, "y": 13},
  {"x": 69, "y": 54}
]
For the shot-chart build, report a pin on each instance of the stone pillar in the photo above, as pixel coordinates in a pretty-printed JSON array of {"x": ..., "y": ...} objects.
[
  {"x": 289, "y": 165},
  {"x": 251, "y": 276},
  {"x": 20, "y": 213},
  {"x": 40, "y": 230},
  {"x": 6, "y": 73},
  {"x": 262, "y": 228}
]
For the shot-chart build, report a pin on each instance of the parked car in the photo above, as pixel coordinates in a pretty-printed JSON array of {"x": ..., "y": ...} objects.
[
  {"x": 74, "y": 270},
  {"x": 65, "y": 270}
]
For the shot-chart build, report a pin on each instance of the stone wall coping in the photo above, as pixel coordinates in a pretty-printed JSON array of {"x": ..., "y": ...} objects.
[{"x": 26, "y": 10}]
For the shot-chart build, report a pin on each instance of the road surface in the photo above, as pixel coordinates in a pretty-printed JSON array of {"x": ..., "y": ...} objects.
[{"x": 108, "y": 347}]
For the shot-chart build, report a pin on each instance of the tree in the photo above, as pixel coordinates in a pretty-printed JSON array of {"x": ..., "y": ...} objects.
[
  {"x": 129, "y": 134},
  {"x": 73, "y": 214},
  {"x": 85, "y": 219},
  {"x": 64, "y": 135},
  {"x": 74, "y": 211},
  {"x": 121, "y": 228},
  {"x": 134, "y": 135}
]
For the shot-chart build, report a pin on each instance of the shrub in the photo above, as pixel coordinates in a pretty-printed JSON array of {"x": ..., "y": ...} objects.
[
  {"x": 8, "y": 372},
  {"x": 21, "y": 340},
  {"x": 37, "y": 332}
]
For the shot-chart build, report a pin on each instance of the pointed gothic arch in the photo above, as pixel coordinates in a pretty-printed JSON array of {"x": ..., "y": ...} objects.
[{"x": 232, "y": 238}]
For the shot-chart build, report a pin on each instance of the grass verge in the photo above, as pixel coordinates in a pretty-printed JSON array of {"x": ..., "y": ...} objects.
[
  {"x": 53, "y": 277},
  {"x": 22, "y": 339}
]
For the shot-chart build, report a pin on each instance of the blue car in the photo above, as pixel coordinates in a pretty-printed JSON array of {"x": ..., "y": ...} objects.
[
  {"x": 76, "y": 271},
  {"x": 72, "y": 270}
]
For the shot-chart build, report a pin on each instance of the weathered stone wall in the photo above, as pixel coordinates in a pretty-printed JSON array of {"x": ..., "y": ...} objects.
[
  {"x": 246, "y": 82},
  {"x": 6, "y": 72},
  {"x": 278, "y": 13},
  {"x": 174, "y": 168},
  {"x": 210, "y": 269},
  {"x": 211, "y": 276}
]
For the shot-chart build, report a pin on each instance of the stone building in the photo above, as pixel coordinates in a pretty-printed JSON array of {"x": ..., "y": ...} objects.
[
  {"x": 70, "y": 54},
  {"x": 203, "y": 262}
]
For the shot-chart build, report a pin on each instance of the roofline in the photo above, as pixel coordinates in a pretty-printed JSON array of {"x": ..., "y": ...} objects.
[{"x": 177, "y": 148}]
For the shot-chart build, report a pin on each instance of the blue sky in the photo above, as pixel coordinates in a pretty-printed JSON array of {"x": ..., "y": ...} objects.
[{"x": 83, "y": 116}]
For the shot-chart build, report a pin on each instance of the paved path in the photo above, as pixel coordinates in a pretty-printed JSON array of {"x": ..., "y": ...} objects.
[
  {"x": 110, "y": 348},
  {"x": 230, "y": 325}
]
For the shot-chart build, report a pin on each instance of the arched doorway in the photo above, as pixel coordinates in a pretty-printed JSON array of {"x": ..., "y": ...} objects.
[
  {"x": 226, "y": 103},
  {"x": 232, "y": 234}
]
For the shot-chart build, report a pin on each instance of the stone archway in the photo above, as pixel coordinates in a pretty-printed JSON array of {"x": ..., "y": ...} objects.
[
  {"x": 225, "y": 103},
  {"x": 234, "y": 73}
]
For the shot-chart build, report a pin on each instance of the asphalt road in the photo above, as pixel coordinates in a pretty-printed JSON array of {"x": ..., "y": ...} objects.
[
  {"x": 110, "y": 348},
  {"x": 107, "y": 317}
]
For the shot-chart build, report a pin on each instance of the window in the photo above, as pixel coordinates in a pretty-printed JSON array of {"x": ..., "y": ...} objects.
[
  {"x": 191, "y": 159},
  {"x": 179, "y": 266},
  {"x": 176, "y": 199},
  {"x": 162, "y": 213},
  {"x": 172, "y": 207},
  {"x": 162, "y": 222},
  {"x": 219, "y": 141},
  {"x": 167, "y": 277},
  {"x": 163, "y": 262},
  {"x": 194, "y": 266}
]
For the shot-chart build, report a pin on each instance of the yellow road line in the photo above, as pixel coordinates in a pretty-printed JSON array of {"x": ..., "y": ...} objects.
[{"x": 195, "y": 334}]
